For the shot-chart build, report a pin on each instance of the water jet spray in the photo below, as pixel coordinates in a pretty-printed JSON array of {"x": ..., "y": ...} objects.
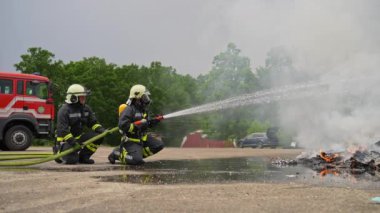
[{"x": 261, "y": 97}]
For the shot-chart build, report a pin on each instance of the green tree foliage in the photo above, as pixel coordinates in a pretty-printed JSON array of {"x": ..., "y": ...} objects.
[
  {"x": 230, "y": 76},
  {"x": 279, "y": 70},
  {"x": 98, "y": 76},
  {"x": 39, "y": 60},
  {"x": 256, "y": 126}
]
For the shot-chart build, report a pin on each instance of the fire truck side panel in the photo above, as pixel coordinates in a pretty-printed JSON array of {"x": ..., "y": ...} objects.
[{"x": 25, "y": 100}]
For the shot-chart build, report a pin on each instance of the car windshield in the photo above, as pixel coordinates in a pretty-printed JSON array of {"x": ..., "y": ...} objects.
[{"x": 256, "y": 135}]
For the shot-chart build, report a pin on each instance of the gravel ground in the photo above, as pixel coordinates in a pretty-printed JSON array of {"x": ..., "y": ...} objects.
[{"x": 51, "y": 187}]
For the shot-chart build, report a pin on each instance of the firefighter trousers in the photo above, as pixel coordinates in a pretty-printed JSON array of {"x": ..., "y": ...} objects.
[
  {"x": 133, "y": 153},
  {"x": 85, "y": 152}
]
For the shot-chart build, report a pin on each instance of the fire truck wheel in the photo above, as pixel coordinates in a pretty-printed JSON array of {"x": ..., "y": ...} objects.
[{"x": 18, "y": 138}]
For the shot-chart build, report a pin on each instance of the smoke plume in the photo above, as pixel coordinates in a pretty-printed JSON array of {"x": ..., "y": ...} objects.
[{"x": 334, "y": 41}]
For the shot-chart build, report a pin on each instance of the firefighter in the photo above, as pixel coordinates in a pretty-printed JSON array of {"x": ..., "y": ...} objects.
[
  {"x": 134, "y": 122},
  {"x": 72, "y": 117}
]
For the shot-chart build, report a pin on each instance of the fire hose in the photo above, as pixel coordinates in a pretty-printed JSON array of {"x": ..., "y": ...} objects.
[{"x": 47, "y": 157}]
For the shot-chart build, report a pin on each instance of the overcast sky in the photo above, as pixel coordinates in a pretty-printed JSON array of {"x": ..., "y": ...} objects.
[{"x": 186, "y": 34}]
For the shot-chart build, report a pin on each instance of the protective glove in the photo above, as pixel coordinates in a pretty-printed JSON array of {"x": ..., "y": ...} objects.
[
  {"x": 154, "y": 121},
  {"x": 100, "y": 130},
  {"x": 141, "y": 124}
]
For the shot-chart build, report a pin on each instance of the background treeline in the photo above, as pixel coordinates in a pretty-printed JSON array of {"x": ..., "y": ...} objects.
[{"x": 230, "y": 76}]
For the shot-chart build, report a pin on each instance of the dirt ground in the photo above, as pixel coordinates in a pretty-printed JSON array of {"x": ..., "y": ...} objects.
[{"x": 51, "y": 187}]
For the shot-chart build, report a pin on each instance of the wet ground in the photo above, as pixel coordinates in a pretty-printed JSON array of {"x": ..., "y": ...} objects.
[
  {"x": 187, "y": 178},
  {"x": 238, "y": 170},
  {"x": 230, "y": 170}
]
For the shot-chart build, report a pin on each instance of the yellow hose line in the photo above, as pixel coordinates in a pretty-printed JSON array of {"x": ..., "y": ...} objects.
[
  {"x": 5, "y": 153},
  {"x": 23, "y": 157},
  {"x": 53, "y": 157}
]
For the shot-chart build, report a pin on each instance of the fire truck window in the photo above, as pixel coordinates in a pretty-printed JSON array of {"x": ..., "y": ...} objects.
[
  {"x": 20, "y": 87},
  {"x": 6, "y": 86},
  {"x": 37, "y": 89}
]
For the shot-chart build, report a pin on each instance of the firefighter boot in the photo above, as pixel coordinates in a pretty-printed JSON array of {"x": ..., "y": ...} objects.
[
  {"x": 114, "y": 155},
  {"x": 86, "y": 152}
]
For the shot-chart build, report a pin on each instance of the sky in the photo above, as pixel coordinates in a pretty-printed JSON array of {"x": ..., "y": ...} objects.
[
  {"x": 184, "y": 34},
  {"x": 335, "y": 39}
]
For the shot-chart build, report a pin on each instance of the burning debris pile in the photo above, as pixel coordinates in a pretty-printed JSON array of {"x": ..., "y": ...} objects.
[{"x": 359, "y": 162}]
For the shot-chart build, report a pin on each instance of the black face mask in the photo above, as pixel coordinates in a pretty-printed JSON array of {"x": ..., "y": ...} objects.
[{"x": 145, "y": 100}]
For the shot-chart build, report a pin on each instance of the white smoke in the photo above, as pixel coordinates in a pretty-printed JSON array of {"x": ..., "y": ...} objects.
[
  {"x": 348, "y": 114},
  {"x": 338, "y": 41}
]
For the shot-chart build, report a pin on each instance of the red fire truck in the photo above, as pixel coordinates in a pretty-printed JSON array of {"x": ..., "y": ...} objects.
[{"x": 26, "y": 109}]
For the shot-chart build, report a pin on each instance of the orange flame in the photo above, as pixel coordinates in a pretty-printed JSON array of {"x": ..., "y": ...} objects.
[
  {"x": 328, "y": 157},
  {"x": 328, "y": 171}
]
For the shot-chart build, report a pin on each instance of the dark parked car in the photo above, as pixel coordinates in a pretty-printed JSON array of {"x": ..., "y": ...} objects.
[{"x": 260, "y": 139}]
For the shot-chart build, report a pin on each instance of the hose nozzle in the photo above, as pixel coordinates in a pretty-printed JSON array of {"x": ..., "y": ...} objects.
[{"x": 159, "y": 117}]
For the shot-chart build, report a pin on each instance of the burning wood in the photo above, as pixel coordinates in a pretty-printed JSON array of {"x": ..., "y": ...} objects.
[{"x": 338, "y": 163}]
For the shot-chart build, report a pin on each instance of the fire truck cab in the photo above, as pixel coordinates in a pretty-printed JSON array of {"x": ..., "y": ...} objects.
[{"x": 26, "y": 109}]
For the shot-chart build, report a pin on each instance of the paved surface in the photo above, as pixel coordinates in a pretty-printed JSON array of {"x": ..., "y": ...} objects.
[{"x": 51, "y": 187}]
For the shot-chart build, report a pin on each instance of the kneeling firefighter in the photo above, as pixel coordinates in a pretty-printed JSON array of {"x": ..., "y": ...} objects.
[
  {"x": 134, "y": 122},
  {"x": 72, "y": 117}
]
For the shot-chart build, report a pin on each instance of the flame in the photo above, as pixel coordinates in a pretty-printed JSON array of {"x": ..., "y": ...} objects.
[
  {"x": 328, "y": 157},
  {"x": 328, "y": 171}
]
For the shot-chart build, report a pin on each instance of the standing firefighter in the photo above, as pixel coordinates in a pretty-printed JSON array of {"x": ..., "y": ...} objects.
[
  {"x": 73, "y": 116},
  {"x": 134, "y": 122}
]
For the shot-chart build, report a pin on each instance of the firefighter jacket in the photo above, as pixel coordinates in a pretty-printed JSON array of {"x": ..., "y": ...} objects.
[
  {"x": 71, "y": 120},
  {"x": 131, "y": 114}
]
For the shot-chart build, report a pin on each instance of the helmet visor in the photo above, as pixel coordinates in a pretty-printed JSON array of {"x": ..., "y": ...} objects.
[
  {"x": 145, "y": 99},
  {"x": 87, "y": 92}
]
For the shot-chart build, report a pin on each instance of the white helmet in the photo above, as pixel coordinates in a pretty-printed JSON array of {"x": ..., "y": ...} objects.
[
  {"x": 74, "y": 91},
  {"x": 139, "y": 91}
]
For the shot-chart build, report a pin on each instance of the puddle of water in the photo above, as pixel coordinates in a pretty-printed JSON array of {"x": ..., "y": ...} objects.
[{"x": 237, "y": 170}]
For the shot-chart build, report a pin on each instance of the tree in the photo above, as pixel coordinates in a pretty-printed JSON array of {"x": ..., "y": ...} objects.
[
  {"x": 39, "y": 60},
  {"x": 100, "y": 77},
  {"x": 231, "y": 75},
  {"x": 279, "y": 70}
]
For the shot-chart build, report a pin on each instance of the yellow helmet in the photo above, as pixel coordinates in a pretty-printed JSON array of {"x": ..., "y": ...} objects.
[{"x": 74, "y": 91}]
